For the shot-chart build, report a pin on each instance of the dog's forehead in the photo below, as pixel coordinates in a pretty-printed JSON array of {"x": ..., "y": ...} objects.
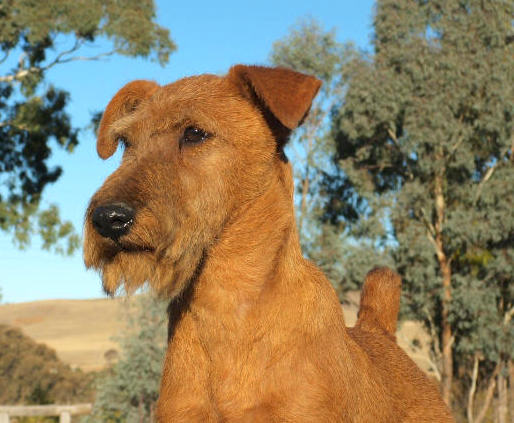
[
  {"x": 213, "y": 102},
  {"x": 194, "y": 88}
]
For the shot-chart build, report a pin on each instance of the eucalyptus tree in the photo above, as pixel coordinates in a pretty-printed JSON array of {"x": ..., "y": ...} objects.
[{"x": 424, "y": 138}]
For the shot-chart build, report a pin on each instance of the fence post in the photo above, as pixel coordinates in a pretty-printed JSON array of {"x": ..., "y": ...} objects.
[
  {"x": 64, "y": 411},
  {"x": 65, "y": 417}
]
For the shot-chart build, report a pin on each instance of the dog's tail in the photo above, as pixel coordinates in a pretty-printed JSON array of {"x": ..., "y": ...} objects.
[{"x": 380, "y": 301}]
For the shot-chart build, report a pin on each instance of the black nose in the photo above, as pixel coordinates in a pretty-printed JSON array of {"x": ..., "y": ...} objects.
[{"x": 113, "y": 220}]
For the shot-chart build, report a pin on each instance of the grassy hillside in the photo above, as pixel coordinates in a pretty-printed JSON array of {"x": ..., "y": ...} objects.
[{"x": 79, "y": 330}]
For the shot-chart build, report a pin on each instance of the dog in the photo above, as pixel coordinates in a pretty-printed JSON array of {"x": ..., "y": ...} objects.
[{"x": 201, "y": 208}]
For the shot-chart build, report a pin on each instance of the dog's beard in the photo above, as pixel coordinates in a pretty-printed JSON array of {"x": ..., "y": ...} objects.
[
  {"x": 128, "y": 269},
  {"x": 168, "y": 269},
  {"x": 167, "y": 276}
]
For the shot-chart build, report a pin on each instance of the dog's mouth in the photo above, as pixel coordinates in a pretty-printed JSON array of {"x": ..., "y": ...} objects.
[
  {"x": 109, "y": 249},
  {"x": 129, "y": 247}
]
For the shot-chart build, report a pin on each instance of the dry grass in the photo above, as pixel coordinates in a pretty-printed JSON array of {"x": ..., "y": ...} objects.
[{"x": 79, "y": 330}]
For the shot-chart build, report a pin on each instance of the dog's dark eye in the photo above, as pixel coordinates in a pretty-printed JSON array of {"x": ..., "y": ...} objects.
[{"x": 193, "y": 135}]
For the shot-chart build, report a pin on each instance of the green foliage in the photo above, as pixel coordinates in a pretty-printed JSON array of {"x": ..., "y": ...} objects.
[
  {"x": 33, "y": 118},
  {"x": 311, "y": 50},
  {"x": 424, "y": 139},
  {"x": 129, "y": 390},
  {"x": 31, "y": 373}
]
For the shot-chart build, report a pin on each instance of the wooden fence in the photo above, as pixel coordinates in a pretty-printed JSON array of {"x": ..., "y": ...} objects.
[{"x": 63, "y": 411}]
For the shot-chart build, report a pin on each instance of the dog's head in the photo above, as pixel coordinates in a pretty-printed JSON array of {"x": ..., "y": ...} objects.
[{"x": 194, "y": 152}]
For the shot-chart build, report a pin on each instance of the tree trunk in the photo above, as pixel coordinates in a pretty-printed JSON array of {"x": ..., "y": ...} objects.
[
  {"x": 447, "y": 338},
  {"x": 487, "y": 400},
  {"x": 502, "y": 395},
  {"x": 511, "y": 390},
  {"x": 306, "y": 180},
  {"x": 303, "y": 205},
  {"x": 446, "y": 273},
  {"x": 141, "y": 410},
  {"x": 472, "y": 389}
]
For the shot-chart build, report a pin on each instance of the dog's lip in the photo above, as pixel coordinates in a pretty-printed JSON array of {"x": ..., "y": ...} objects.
[{"x": 129, "y": 247}]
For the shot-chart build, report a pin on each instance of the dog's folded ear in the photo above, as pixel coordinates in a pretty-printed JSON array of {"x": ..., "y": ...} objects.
[
  {"x": 285, "y": 93},
  {"x": 122, "y": 104}
]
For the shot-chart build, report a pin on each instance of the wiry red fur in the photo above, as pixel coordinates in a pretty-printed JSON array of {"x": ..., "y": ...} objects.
[{"x": 256, "y": 331}]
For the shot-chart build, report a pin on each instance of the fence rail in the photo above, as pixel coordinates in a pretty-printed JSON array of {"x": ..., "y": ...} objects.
[{"x": 63, "y": 411}]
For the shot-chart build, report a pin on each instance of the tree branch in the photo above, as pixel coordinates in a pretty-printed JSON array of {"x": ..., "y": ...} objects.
[
  {"x": 428, "y": 225},
  {"x": 22, "y": 73},
  {"x": 84, "y": 58},
  {"x": 9, "y": 123},
  {"x": 59, "y": 59},
  {"x": 78, "y": 43},
  {"x": 393, "y": 137},
  {"x": 508, "y": 316},
  {"x": 486, "y": 177},
  {"x": 456, "y": 146},
  {"x": 491, "y": 170},
  {"x": 435, "y": 339},
  {"x": 459, "y": 140},
  {"x": 431, "y": 232}
]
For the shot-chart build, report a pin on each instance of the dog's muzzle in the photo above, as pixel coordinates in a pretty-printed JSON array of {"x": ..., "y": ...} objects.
[{"x": 113, "y": 220}]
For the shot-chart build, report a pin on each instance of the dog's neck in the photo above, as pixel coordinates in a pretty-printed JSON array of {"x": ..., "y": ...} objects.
[
  {"x": 256, "y": 264},
  {"x": 251, "y": 249}
]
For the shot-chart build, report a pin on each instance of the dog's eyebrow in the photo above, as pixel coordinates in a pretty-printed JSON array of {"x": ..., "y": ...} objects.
[
  {"x": 168, "y": 126},
  {"x": 138, "y": 123},
  {"x": 157, "y": 132}
]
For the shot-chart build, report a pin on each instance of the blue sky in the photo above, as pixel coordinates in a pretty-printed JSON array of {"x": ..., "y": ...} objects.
[{"x": 211, "y": 36}]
